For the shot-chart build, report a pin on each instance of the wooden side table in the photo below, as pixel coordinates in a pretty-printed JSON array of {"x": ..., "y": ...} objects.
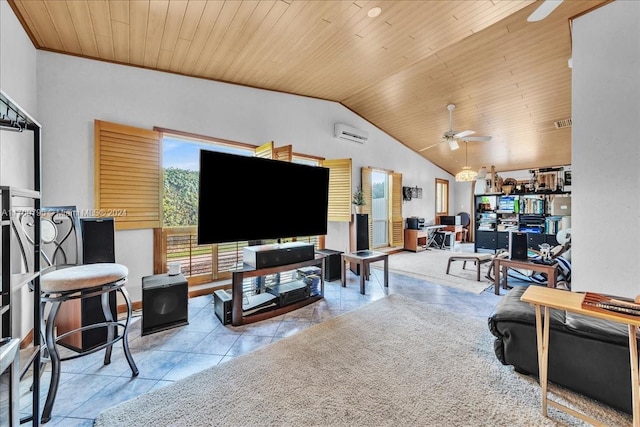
[
  {"x": 363, "y": 259},
  {"x": 502, "y": 264},
  {"x": 539, "y": 297}
]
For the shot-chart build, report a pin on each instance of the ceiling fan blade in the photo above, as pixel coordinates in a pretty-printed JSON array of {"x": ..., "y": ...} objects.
[
  {"x": 477, "y": 138},
  {"x": 544, "y": 10},
  {"x": 430, "y": 146},
  {"x": 453, "y": 144},
  {"x": 463, "y": 134}
]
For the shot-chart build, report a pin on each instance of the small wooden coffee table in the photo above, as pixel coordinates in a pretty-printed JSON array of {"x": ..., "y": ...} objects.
[{"x": 364, "y": 258}]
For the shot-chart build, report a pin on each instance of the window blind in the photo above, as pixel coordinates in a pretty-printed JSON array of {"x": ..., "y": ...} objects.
[{"x": 128, "y": 175}]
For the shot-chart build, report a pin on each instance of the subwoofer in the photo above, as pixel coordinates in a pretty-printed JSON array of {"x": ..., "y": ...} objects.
[
  {"x": 518, "y": 245},
  {"x": 97, "y": 246},
  {"x": 164, "y": 302}
]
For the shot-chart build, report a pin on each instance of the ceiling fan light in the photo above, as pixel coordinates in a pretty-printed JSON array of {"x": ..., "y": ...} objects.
[
  {"x": 466, "y": 175},
  {"x": 453, "y": 144}
]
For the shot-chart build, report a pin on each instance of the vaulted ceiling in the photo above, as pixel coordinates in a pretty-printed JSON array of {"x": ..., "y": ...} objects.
[{"x": 508, "y": 78}]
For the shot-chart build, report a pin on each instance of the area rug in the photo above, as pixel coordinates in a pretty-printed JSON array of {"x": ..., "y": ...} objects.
[
  {"x": 431, "y": 266},
  {"x": 393, "y": 362}
]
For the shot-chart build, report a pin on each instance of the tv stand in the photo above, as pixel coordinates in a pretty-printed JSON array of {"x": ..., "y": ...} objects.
[{"x": 251, "y": 311}]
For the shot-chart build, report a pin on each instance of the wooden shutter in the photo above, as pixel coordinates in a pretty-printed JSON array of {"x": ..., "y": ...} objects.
[
  {"x": 339, "y": 189},
  {"x": 284, "y": 154},
  {"x": 128, "y": 175},
  {"x": 397, "y": 220},
  {"x": 265, "y": 151},
  {"x": 367, "y": 190}
]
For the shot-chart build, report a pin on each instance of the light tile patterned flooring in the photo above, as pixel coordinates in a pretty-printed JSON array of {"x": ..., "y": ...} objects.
[{"x": 87, "y": 386}]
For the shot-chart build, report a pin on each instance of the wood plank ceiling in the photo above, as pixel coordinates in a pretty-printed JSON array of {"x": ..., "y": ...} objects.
[{"x": 507, "y": 77}]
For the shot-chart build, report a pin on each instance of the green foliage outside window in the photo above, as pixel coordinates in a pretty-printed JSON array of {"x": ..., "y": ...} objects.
[{"x": 180, "y": 201}]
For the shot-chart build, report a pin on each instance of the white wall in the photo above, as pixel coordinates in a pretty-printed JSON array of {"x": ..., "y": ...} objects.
[
  {"x": 74, "y": 91},
  {"x": 18, "y": 81},
  {"x": 606, "y": 150}
]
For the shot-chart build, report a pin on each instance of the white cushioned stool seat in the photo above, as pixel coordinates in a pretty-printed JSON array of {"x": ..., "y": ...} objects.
[{"x": 82, "y": 277}]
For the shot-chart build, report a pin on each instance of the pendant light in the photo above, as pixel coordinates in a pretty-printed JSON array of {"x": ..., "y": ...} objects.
[{"x": 466, "y": 174}]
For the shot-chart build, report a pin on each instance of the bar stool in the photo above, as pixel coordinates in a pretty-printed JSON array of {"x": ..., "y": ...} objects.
[{"x": 77, "y": 282}]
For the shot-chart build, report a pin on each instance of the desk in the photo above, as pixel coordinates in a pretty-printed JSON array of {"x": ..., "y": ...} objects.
[
  {"x": 500, "y": 265},
  {"x": 539, "y": 297},
  {"x": 364, "y": 258}
]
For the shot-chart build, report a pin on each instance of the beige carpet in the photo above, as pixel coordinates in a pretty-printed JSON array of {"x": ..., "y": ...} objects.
[
  {"x": 393, "y": 362},
  {"x": 431, "y": 266}
]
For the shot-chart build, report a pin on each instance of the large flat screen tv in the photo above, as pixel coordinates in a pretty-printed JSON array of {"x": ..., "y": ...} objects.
[{"x": 251, "y": 198}]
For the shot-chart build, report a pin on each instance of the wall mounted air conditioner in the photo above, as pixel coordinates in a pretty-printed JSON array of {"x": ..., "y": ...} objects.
[{"x": 349, "y": 133}]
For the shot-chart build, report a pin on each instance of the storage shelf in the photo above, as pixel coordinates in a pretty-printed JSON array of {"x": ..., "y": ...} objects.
[{"x": 237, "y": 316}]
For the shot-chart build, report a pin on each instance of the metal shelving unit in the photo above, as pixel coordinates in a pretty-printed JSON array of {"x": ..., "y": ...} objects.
[{"x": 15, "y": 119}]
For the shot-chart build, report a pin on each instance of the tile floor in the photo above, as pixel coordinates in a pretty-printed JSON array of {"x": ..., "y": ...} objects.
[{"x": 87, "y": 386}]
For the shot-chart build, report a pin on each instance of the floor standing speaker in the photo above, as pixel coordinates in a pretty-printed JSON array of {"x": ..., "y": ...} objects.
[
  {"x": 518, "y": 245},
  {"x": 359, "y": 237},
  {"x": 98, "y": 245}
]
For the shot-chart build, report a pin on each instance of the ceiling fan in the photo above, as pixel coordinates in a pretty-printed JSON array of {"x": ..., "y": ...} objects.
[
  {"x": 545, "y": 8},
  {"x": 452, "y": 136}
]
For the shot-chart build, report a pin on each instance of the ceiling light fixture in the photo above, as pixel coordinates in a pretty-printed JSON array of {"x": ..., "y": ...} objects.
[
  {"x": 466, "y": 174},
  {"x": 374, "y": 11}
]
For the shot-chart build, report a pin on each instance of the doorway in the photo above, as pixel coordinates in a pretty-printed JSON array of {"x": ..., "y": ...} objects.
[{"x": 380, "y": 208}]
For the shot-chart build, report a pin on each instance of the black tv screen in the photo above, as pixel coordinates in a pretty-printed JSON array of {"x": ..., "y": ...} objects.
[{"x": 251, "y": 198}]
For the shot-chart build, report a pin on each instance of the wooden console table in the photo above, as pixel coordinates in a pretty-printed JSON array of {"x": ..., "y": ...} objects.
[
  {"x": 500, "y": 265},
  {"x": 539, "y": 297}
]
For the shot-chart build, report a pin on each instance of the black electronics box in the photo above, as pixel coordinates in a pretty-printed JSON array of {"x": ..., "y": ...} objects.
[
  {"x": 518, "y": 245},
  {"x": 415, "y": 223},
  {"x": 165, "y": 302},
  {"x": 222, "y": 306},
  {"x": 332, "y": 263},
  {"x": 273, "y": 255},
  {"x": 450, "y": 220},
  {"x": 291, "y": 292}
]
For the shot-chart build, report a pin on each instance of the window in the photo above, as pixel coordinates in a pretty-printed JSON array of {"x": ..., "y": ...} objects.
[{"x": 442, "y": 197}]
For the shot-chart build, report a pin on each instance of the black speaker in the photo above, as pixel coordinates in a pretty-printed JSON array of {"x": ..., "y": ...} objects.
[
  {"x": 359, "y": 237},
  {"x": 165, "y": 301},
  {"x": 97, "y": 246},
  {"x": 518, "y": 245},
  {"x": 332, "y": 264},
  {"x": 222, "y": 305}
]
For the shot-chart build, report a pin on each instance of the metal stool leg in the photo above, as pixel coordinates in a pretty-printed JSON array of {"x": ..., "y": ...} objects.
[
  {"x": 125, "y": 333},
  {"x": 106, "y": 310},
  {"x": 55, "y": 362}
]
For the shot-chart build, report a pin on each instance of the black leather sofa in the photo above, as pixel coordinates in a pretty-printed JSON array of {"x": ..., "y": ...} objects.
[{"x": 586, "y": 355}]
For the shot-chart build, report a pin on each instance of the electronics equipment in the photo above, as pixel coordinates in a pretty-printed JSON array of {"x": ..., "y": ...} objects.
[
  {"x": 286, "y": 199},
  {"x": 164, "y": 302},
  {"x": 561, "y": 205},
  {"x": 98, "y": 245},
  {"x": 332, "y": 264},
  {"x": 518, "y": 245},
  {"x": 450, "y": 220},
  {"x": 223, "y": 305},
  {"x": 273, "y": 255},
  {"x": 415, "y": 223},
  {"x": 291, "y": 292},
  {"x": 349, "y": 133},
  {"x": 311, "y": 277}
]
